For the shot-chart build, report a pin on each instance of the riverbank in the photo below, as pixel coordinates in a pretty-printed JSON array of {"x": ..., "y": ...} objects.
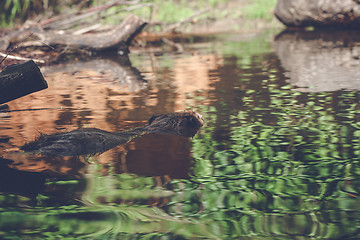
[
  {"x": 166, "y": 22},
  {"x": 215, "y": 16},
  {"x": 185, "y": 16}
]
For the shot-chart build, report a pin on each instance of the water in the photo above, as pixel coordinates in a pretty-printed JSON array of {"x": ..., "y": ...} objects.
[{"x": 278, "y": 157}]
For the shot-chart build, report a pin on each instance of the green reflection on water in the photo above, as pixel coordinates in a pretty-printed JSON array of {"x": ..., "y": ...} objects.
[
  {"x": 270, "y": 163},
  {"x": 288, "y": 167}
]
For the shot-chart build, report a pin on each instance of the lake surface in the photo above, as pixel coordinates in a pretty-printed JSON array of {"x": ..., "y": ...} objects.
[{"x": 278, "y": 157}]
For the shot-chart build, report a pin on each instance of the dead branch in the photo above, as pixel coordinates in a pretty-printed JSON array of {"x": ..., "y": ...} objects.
[
  {"x": 20, "y": 58},
  {"x": 172, "y": 27},
  {"x": 124, "y": 33},
  {"x": 64, "y": 21},
  {"x": 179, "y": 48},
  {"x": 98, "y": 41}
]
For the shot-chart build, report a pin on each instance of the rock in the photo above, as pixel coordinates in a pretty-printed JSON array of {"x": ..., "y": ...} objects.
[{"x": 319, "y": 13}]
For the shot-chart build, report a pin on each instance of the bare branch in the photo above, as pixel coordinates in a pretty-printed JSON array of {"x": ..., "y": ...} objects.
[
  {"x": 19, "y": 58},
  {"x": 186, "y": 20}
]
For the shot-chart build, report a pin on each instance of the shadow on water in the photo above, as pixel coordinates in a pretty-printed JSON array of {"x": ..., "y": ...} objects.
[
  {"x": 24, "y": 183},
  {"x": 115, "y": 70},
  {"x": 278, "y": 157}
]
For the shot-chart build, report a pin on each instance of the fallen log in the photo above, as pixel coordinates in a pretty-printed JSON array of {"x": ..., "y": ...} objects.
[
  {"x": 113, "y": 39},
  {"x": 19, "y": 80}
]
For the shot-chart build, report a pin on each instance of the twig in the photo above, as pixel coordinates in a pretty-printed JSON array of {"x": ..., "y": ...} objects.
[
  {"x": 7, "y": 55},
  {"x": 70, "y": 17},
  {"x": 17, "y": 45},
  {"x": 186, "y": 20},
  {"x": 19, "y": 58},
  {"x": 128, "y": 9},
  {"x": 178, "y": 46},
  {"x": 51, "y": 47},
  {"x": 66, "y": 20},
  {"x": 62, "y": 52}
]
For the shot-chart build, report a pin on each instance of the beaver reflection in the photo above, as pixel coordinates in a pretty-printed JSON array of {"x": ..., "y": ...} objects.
[{"x": 90, "y": 141}]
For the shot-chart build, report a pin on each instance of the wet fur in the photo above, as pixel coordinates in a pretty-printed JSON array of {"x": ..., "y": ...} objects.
[
  {"x": 185, "y": 123},
  {"x": 91, "y": 141}
]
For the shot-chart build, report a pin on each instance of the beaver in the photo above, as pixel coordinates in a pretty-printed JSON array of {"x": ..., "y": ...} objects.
[{"x": 92, "y": 141}]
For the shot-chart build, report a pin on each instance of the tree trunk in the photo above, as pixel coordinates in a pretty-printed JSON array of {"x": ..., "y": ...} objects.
[{"x": 20, "y": 80}]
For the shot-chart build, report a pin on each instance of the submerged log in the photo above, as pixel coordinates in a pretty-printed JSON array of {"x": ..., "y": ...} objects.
[
  {"x": 91, "y": 141},
  {"x": 19, "y": 80},
  {"x": 117, "y": 37},
  {"x": 319, "y": 13}
]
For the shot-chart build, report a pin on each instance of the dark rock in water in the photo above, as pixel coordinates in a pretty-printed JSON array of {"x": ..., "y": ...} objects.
[{"x": 90, "y": 141}]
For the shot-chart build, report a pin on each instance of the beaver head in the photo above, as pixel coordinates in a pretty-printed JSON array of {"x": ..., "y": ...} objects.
[{"x": 185, "y": 123}]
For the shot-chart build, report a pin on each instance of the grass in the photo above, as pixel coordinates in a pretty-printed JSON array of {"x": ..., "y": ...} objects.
[
  {"x": 246, "y": 13},
  {"x": 167, "y": 12},
  {"x": 170, "y": 11},
  {"x": 177, "y": 10},
  {"x": 259, "y": 9},
  {"x": 11, "y": 9}
]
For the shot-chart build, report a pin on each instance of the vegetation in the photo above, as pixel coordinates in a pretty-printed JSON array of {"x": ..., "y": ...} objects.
[
  {"x": 258, "y": 9},
  {"x": 17, "y": 11},
  {"x": 157, "y": 11}
]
